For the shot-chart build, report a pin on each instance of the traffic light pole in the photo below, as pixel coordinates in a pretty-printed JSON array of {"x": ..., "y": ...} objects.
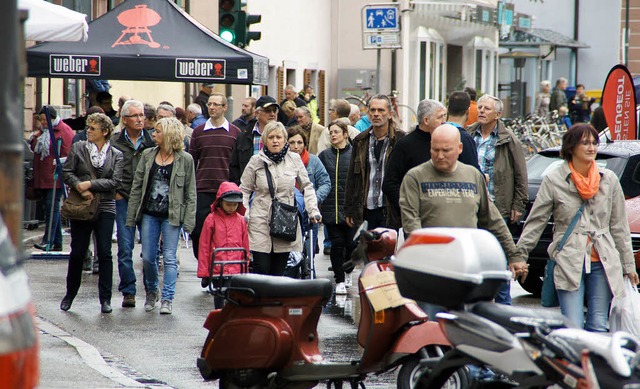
[{"x": 12, "y": 68}]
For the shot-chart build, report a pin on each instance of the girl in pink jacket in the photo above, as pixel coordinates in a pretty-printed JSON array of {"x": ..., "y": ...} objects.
[{"x": 225, "y": 227}]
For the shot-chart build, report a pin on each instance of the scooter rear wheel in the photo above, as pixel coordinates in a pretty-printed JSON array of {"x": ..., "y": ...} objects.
[{"x": 412, "y": 370}]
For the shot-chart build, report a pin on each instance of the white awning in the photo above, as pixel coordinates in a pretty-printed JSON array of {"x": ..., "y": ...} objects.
[{"x": 48, "y": 22}]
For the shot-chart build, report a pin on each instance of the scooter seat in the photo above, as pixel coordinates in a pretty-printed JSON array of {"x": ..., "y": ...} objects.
[
  {"x": 502, "y": 314},
  {"x": 274, "y": 286}
]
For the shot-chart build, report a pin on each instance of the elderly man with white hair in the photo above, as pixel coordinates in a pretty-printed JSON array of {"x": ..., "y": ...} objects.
[{"x": 195, "y": 116}]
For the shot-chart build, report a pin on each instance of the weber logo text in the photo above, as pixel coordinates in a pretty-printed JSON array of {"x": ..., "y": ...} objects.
[
  {"x": 81, "y": 65},
  {"x": 200, "y": 68}
]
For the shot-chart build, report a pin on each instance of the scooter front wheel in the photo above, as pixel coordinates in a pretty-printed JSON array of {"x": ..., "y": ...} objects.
[
  {"x": 412, "y": 370},
  {"x": 253, "y": 379}
]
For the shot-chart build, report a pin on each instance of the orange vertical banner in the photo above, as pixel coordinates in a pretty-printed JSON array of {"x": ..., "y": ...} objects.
[{"x": 619, "y": 104}]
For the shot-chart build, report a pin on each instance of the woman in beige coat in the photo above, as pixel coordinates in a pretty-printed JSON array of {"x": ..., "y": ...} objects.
[
  {"x": 598, "y": 251},
  {"x": 270, "y": 254}
]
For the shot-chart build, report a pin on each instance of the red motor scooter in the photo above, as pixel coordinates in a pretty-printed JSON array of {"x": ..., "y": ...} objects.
[{"x": 266, "y": 335}]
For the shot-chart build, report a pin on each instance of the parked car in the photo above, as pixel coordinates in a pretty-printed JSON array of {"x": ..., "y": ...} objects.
[
  {"x": 18, "y": 333},
  {"x": 623, "y": 158}
]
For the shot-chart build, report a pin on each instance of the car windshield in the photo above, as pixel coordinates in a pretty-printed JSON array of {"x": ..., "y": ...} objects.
[{"x": 541, "y": 164}]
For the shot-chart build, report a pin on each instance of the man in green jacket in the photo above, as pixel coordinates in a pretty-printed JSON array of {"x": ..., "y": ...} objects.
[{"x": 502, "y": 161}]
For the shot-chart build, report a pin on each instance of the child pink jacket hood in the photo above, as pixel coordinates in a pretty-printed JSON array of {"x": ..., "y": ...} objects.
[{"x": 223, "y": 231}]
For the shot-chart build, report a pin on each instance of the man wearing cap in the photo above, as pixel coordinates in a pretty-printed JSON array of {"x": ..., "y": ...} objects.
[
  {"x": 211, "y": 147},
  {"x": 248, "y": 142},
  {"x": 203, "y": 98}
]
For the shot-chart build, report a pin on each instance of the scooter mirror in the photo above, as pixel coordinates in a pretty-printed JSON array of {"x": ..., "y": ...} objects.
[{"x": 363, "y": 227}]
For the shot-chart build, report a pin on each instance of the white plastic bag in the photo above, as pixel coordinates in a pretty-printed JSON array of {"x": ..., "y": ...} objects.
[{"x": 625, "y": 310}]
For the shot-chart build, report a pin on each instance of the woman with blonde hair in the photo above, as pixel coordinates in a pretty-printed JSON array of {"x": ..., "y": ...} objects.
[
  {"x": 285, "y": 170},
  {"x": 163, "y": 200},
  {"x": 93, "y": 168}
]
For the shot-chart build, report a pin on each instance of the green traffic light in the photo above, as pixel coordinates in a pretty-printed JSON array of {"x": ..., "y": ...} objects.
[{"x": 228, "y": 36}]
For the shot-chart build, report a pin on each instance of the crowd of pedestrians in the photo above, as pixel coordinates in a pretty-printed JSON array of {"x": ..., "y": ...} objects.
[{"x": 167, "y": 171}]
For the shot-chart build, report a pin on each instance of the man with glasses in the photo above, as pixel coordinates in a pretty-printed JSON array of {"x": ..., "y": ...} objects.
[
  {"x": 502, "y": 161},
  {"x": 248, "y": 142},
  {"x": 211, "y": 147},
  {"x": 340, "y": 109},
  {"x": 132, "y": 141}
]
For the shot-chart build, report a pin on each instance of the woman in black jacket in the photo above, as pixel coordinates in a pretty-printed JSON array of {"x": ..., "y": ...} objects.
[
  {"x": 336, "y": 160},
  {"x": 93, "y": 168}
]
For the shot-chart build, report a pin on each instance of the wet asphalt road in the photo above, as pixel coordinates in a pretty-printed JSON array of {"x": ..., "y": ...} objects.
[{"x": 83, "y": 348}]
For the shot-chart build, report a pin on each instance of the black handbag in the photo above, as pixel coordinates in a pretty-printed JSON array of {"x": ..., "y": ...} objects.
[{"x": 283, "y": 223}]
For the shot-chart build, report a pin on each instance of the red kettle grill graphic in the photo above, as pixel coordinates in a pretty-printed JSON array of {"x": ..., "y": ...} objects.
[{"x": 137, "y": 21}]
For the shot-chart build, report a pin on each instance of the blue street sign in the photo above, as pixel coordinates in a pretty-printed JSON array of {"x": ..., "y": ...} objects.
[{"x": 382, "y": 18}]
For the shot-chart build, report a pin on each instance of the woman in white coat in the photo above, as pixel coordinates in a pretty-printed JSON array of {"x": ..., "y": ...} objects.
[{"x": 270, "y": 254}]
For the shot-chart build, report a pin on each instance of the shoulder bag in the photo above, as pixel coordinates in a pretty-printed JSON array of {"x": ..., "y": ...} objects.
[
  {"x": 76, "y": 207},
  {"x": 283, "y": 223},
  {"x": 549, "y": 296}
]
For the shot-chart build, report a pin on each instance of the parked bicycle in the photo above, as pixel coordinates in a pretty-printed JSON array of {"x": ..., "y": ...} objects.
[{"x": 537, "y": 133}]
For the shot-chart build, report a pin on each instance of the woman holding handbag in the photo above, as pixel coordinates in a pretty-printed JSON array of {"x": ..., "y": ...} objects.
[
  {"x": 163, "y": 200},
  {"x": 269, "y": 178},
  {"x": 596, "y": 253},
  {"x": 93, "y": 168}
]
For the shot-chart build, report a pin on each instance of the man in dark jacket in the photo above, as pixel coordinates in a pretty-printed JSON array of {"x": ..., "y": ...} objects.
[
  {"x": 248, "y": 142},
  {"x": 203, "y": 98},
  {"x": 248, "y": 119},
  {"x": 290, "y": 95},
  {"x": 415, "y": 148},
  {"x": 131, "y": 142},
  {"x": 364, "y": 199}
]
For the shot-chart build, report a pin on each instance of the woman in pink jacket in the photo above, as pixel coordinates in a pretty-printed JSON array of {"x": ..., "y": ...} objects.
[{"x": 225, "y": 227}]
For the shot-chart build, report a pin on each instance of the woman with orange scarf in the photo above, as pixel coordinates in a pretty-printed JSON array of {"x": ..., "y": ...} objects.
[{"x": 597, "y": 253}]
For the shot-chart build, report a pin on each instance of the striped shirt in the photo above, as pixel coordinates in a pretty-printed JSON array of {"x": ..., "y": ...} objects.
[
  {"x": 108, "y": 206},
  {"x": 211, "y": 149}
]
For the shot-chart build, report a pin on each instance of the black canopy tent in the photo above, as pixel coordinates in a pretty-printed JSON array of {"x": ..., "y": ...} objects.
[{"x": 148, "y": 40}]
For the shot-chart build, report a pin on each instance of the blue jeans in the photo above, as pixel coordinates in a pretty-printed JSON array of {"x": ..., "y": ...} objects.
[
  {"x": 152, "y": 226},
  {"x": 125, "y": 249},
  {"x": 504, "y": 294},
  {"x": 53, "y": 219},
  {"x": 598, "y": 297}
]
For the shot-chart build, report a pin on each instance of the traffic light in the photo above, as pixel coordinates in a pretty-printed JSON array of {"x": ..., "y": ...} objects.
[
  {"x": 234, "y": 23},
  {"x": 230, "y": 25},
  {"x": 251, "y": 35}
]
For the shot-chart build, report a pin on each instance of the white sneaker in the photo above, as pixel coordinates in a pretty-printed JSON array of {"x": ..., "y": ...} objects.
[
  {"x": 340, "y": 288},
  {"x": 347, "y": 280}
]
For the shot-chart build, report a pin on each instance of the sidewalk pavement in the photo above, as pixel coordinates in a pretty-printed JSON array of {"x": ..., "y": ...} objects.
[{"x": 73, "y": 363}]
